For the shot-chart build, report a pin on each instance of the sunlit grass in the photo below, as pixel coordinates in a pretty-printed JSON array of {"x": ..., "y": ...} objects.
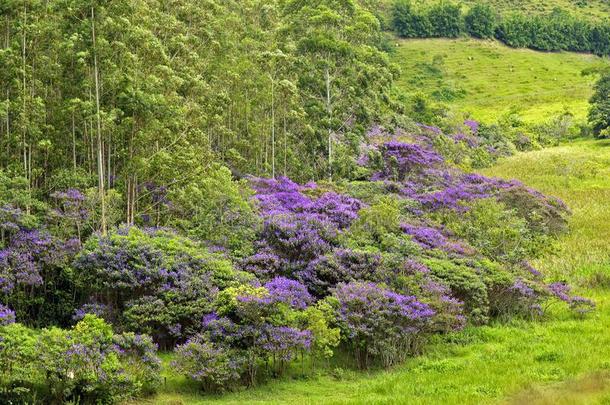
[
  {"x": 490, "y": 80},
  {"x": 590, "y": 9},
  {"x": 579, "y": 174}
]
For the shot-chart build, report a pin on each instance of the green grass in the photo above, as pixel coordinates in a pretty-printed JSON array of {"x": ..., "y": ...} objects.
[
  {"x": 578, "y": 173},
  {"x": 489, "y": 80},
  {"x": 560, "y": 360},
  {"x": 593, "y": 9}
]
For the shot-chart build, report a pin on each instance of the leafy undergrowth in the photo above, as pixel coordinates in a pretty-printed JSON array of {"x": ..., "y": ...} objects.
[
  {"x": 482, "y": 364},
  {"x": 542, "y": 362},
  {"x": 489, "y": 80}
]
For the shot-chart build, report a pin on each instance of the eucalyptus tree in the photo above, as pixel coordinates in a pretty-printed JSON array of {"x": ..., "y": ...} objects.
[{"x": 341, "y": 73}]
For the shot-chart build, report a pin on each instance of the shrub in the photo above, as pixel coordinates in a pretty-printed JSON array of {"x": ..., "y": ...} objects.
[
  {"x": 495, "y": 231},
  {"x": 216, "y": 209},
  {"x": 378, "y": 324},
  {"x": 213, "y": 366},
  {"x": 480, "y": 21},
  {"x": 152, "y": 281},
  {"x": 86, "y": 364},
  {"x": 465, "y": 284},
  {"x": 7, "y": 315},
  {"x": 446, "y": 20},
  {"x": 599, "y": 114},
  {"x": 408, "y": 22}
]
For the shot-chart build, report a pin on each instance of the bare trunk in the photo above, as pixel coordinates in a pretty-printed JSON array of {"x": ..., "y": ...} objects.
[
  {"x": 285, "y": 147},
  {"x": 24, "y": 123},
  {"x": 330, "y": 132},
  {"x": 73, "y": 141},
  {"x": 100, "y": 146},
  {"x": 273, "y": 127}
]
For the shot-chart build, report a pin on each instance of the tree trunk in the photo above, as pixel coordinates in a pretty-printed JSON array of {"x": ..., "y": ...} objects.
[
  {"x": 330, "y": 131},
  {"x": 100, "y": 146},
  {"x": 272, "y": 127}
]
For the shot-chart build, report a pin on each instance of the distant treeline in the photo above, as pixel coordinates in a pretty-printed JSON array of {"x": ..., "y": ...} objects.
[{"x": 556, "y": 31}]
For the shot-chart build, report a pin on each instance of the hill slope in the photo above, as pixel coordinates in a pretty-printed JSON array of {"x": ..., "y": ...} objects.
[
  {"x": 488, "y": 79},
  {"x": 583, "y": 8}
]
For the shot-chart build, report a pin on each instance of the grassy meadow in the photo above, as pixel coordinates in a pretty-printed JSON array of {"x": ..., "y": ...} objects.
[
  {"x": 488, "y": 80},
  {"x": 584, "y": 8},
  {"x": 559, "y": 360}
]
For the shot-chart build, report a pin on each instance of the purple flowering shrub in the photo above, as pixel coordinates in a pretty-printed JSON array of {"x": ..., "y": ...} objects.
[
  {"x": 33, "y": 276},
  {"x": 378, "y": 324},
  {"x": 250, "y": 327},
  {"x": 7, "y": 315},
  {"x": 86, "y": 364},
  {"x": 215, "y": 366},
  {"x": 579, "y": 305},
  {"x": 152, "y": 281}
]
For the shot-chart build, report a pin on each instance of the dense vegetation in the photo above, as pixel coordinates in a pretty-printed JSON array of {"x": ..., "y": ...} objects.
[
  {"x": 599, "y": 115},
  {"x": 555, "y": 31},
  {"x": 115, "y": 92},
  {"x": 371, "y": 268},
  {"x": 238, "y": 189},
  {"x": 560, "y": 360}
]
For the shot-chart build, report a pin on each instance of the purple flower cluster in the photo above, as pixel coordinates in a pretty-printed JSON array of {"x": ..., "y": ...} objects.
[
  {"x": 284, "y": 341},
  {"x": 282, "y": 196},
  {"x": 473, "y": 126},
  {"x": 99, "y": 310},
  {"x": 378, "y": 322},
  {"x": 27, "y": 255},
  {"x": 430, "y": 238},
  {"x": 289, "y": 292},
  {"x": 7, "y": 315},
  {"x": 406, "y": 159}
]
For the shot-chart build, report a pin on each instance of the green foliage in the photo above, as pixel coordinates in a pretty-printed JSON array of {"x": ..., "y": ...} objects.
[
  {"x": 599, "y": 114},
  {"x": 480, "y": 21},
  {"x": 319, "y": 320},
  {"x": 446, "y": 20},
  {"x": 465, "y": 284},
  {"x": 409, "y": 22},
  {"x": 498, "y": 233},
  {"x": 377, "y": 222},
  {"x": 87, "y": 364},
  {"x": 216, "y": 209}
]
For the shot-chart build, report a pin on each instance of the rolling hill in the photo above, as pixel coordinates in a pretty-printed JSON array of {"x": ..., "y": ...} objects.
[{"x": 489, "y": 80}]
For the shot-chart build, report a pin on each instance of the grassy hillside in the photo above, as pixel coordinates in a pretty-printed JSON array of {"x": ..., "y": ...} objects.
[
  {"x": 583, "y": 8},
  {"x": 562, "y": 359},
  {"x": 488, "y": 79},
  {"x": 580, "y": 175}
]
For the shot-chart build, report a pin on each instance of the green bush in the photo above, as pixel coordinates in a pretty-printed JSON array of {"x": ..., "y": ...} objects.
[
  {"x": 446, "y": 20},
  {"x": 409, "y": 22},
  {"x": 480, "y": 21},
  {"x": 87, "y": 364}
]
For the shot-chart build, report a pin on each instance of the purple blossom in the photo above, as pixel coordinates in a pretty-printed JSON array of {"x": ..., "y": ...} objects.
[
  {"x": 289, "y": 292},
  {"x": 96, "y": 309},
  {"x": 560, "y": 290},
  {"x": 473, "y": 126},
  {"x": 375, "y": 321},
  {"x": 284, "y": 341},
  {"x": 7, "y": 315},
  {"x": 522, "y": 289}
]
